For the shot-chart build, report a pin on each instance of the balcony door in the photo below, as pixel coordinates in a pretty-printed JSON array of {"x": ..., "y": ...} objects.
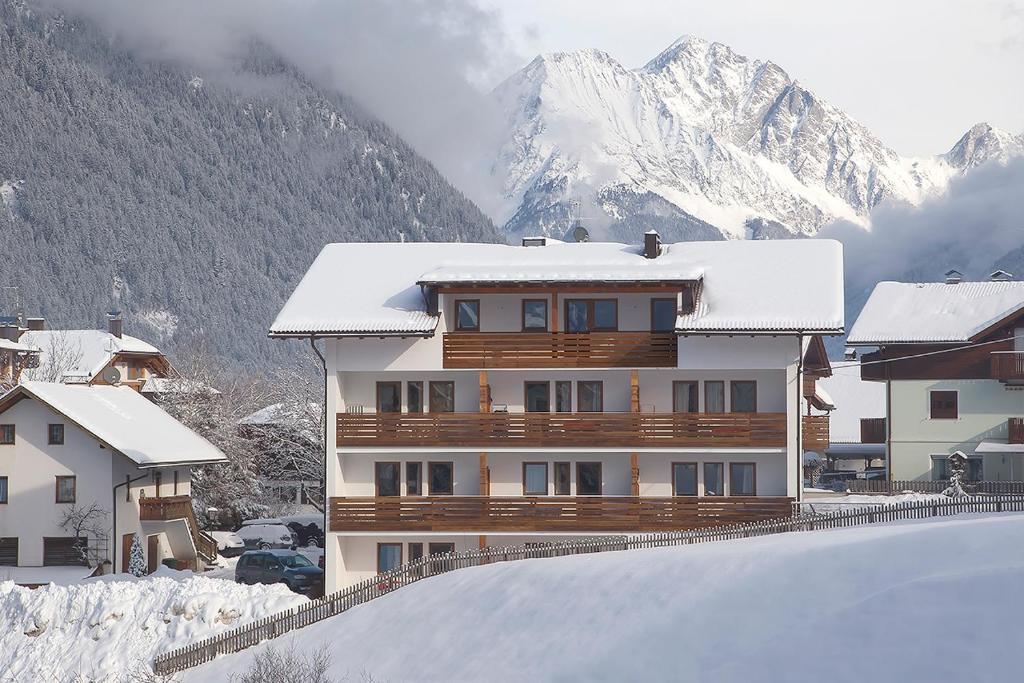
[
  {"x": 538, "y": 397},
  {"x": 389, "y": 397},
  {"x": 591, "y": 315}
]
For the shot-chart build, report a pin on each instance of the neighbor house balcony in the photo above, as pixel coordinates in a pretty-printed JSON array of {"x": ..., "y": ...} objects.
[
  {"x": 815, "y": 432},
  {"x": 560, "y": 350},
  {"x": 569, "y": 514},
  {"x": 1008, "y": 366},
  {"x": 1015, "y": 430},
  {"x": 626, "y": 430},
  {"x": 172, "y": 508}
]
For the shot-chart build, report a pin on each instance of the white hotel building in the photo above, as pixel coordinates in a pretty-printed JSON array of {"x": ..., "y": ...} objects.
[{"x": 484, "y": 394}]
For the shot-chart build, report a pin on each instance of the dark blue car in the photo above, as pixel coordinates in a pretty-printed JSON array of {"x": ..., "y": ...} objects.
[{"x": 280, "y": 566}]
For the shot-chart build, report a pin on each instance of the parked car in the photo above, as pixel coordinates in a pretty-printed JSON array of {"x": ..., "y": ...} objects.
[
  {"x": 308, "y": 535},
  {"x": 280, "y": 566},
  {"x": 267, "y": 536},
  {"x": 229, "y": 544}
]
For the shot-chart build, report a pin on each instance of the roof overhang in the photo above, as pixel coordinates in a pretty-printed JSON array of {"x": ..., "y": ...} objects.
[{"x": 357, "y": 334}]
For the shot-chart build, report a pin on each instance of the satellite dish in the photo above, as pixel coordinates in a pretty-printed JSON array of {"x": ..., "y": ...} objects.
[
  {"x": 111, "y": 375},
  {"x": 579, "y": 233}
]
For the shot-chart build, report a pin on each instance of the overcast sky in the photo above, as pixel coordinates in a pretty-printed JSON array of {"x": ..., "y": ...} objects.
[{"x": 918, "y": 73}]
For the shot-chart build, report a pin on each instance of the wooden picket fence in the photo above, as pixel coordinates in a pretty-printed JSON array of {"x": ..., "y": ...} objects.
[
  {"x": 993, "y": 488},
  {"x": 331, "y": 605}
]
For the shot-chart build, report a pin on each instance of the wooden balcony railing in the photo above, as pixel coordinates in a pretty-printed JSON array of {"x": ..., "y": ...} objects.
[
  {"x": 1008, "y": 366},
  {"x": 1015, "y": 430},
  {"x": 178, "y": 507},
  {"x": 549, "y": 513},
  {"x": 562, "y": 429},
  {"x": 560, "y": 350},
  {"x": 872, "y": 430},
  {"x": 815, "y": 432}
]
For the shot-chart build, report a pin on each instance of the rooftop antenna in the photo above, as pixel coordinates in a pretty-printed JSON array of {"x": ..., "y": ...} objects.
[{"x": 579, "y": 233}]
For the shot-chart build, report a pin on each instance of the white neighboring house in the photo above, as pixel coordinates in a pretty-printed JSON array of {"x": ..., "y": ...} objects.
[
  {"x": 951, "y": 358},
  {"x": 482, "y": 394},
  {"x": 65, "y": 447}
]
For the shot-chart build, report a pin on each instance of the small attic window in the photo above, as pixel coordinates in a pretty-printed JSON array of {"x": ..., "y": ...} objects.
[
  {"x": 953, "y": 277},
  {"x": 1000, "y": 276}
]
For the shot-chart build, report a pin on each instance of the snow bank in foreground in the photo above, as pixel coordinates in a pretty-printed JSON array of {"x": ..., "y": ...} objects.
[
  {"x": 106, "y": 628},
  {"x": 910, "y": 602}
]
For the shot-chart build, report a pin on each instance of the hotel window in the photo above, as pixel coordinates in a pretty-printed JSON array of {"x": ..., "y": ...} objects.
[
  {"x": 591, "y": 315},
  {"x": 743, "y": 396},
  {"x": 742, "y": 479},
  {"x": 439, "y": 565},
  {"x": 684, "y": 397},
  {"x": 588, "y": 479},
  {"x": 714, "y": 396},
  {"x": 563, "y": 397},
  {"x": 66, "y": 489},
  {"x": 386, "y": 476},
  {"x": 389, "y": 397},
  {"x": 55, "y": 434},
  {"x": 538, "y": 397},
  {"x": 413, "y": 479},
  {"x": 714, "y": 479},
  {"x": 467, "y": 315},
  {"x": 414, "y": 397},
  {"x": 416, "y": 553},
  {"x": 6, "y": 435},
  {"x": 941, "y": 469},
  {"x": 943, "y": 405},
  {"x": 440, "y": 478},
  {"x": 535, "y": 315},
  {"x": 561, "y": 479},
  {"x": 663, "y": 315},
  {"x": 442, "y": 397},
  {"x": 3, "y": 490},
  {"x": 389, "y": 556},
  {"x": 535, "y": 479},
  {"x": 590, "y": 396},
  {"x": 684, "y": 479}
]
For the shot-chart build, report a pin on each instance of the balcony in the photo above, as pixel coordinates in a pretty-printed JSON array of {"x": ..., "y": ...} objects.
[
  {"x": 815, "y": 432},
  {"x": 178, "y": 507},
  {"x": 483, "y": 350},
  {"x": 1015, "y": 430},
  {"x": 625, "y": 514},
  {"x": 872, "y": 430},
  {"x": 614, "y": 430},
  {"x": 1008, "y": 366}
]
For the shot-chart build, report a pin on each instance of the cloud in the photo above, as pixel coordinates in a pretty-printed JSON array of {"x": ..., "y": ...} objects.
[{"x": 418, "y": 65}]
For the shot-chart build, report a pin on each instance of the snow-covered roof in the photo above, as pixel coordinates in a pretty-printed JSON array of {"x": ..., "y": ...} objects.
[
  {"x": 86, "y": 352},
  {"x": 273, "y": 414},
  {"x": 369, "y": 288},
  {"x": 853, "y": 399},
  {"x": 125, "y": 421},
  {"x": 935, "y": 312},
  {"x": 175, "y": 385},
  {"x": 8, "y": 345}
]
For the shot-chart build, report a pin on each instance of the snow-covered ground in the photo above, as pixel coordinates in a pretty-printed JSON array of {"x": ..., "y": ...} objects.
[
  {"x": 106, "y": 628},
  {"x": 909, "y": 602},
  {"x": 835, "y": 502}
]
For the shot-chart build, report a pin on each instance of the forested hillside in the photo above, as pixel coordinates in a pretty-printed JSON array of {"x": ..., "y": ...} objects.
[{"x": 193, "y": 202}]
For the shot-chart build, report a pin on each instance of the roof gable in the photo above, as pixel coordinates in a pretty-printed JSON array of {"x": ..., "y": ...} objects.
[{"x": 84, "y": 353}]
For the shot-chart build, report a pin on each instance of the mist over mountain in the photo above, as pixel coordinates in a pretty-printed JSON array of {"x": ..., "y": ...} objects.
[
  {"x": 703, "y": 141},
  {"x": 191, "y": 201}
]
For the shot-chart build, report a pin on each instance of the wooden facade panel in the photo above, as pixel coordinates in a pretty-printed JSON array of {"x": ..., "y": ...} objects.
[
  {"x": 177, "y": 507},
  {"x": 940, "y": 362},
  {"x": 559, "y": 514},
  {"x": 815, "y": 432},
  {"x": 559, "y": 350},
  {"x": 562, "y": 429}
]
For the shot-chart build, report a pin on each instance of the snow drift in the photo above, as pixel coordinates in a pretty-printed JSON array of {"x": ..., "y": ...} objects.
[
  {"x": 921, "y": 601},
  {"x": 109, "y": 627}
]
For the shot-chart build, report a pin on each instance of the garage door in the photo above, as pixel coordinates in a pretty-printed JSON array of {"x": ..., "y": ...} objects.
[
  {"x": 61, "y": 551},
  {"x": 9, "y": 551}
]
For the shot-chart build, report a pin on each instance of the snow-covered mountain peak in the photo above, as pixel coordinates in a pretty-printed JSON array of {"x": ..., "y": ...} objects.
[{"x": 701, "y": 141}]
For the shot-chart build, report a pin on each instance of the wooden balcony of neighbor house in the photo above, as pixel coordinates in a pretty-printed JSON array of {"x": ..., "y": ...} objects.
[
  {"x": 815, "y": 432},
  {"x": 560, "y": 350},
  {"x": 1015, "y": 430},
  {"x": 1008, "y": 366},
  {"x": 872, "y": 430},
  {"x": 167, "y": 508},
  {"x": 627, "y": 514},
  {"x": 563, "y": 429}
]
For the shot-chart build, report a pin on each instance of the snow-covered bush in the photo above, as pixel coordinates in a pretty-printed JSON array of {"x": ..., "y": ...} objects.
[{"x": 136, "y": 560}]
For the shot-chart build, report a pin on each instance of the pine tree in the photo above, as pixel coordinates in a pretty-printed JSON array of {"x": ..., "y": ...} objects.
[{"x": 136, "y": 560}]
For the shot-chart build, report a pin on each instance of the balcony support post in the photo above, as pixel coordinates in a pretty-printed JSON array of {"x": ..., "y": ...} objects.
[
  {"x": 554, "y": 310},
  {"x": 485, "y": 393},
  {"x": 634, "y": 391},
  {"x": 634, "y": 474},
  {"x": 485, "y": 476}
]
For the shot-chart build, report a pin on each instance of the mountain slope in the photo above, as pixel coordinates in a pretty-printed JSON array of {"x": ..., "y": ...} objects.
[
  {"x": 716, "y": 137},
  {"x": 193, "y": 202}
]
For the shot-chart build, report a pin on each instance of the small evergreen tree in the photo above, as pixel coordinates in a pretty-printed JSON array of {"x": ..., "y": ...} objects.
[{"x": 136, "y": 560}]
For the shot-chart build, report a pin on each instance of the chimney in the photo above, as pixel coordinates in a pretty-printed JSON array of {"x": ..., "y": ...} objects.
[
  {"x": 10, "y": 332},
  {"x": 954, "y": 277},
  {"x": 1000, "y": 276},
  {"x": 115, "y": 324},
  {"x": 652, "y": 244},
  {"x": 36, "y": 324}
]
